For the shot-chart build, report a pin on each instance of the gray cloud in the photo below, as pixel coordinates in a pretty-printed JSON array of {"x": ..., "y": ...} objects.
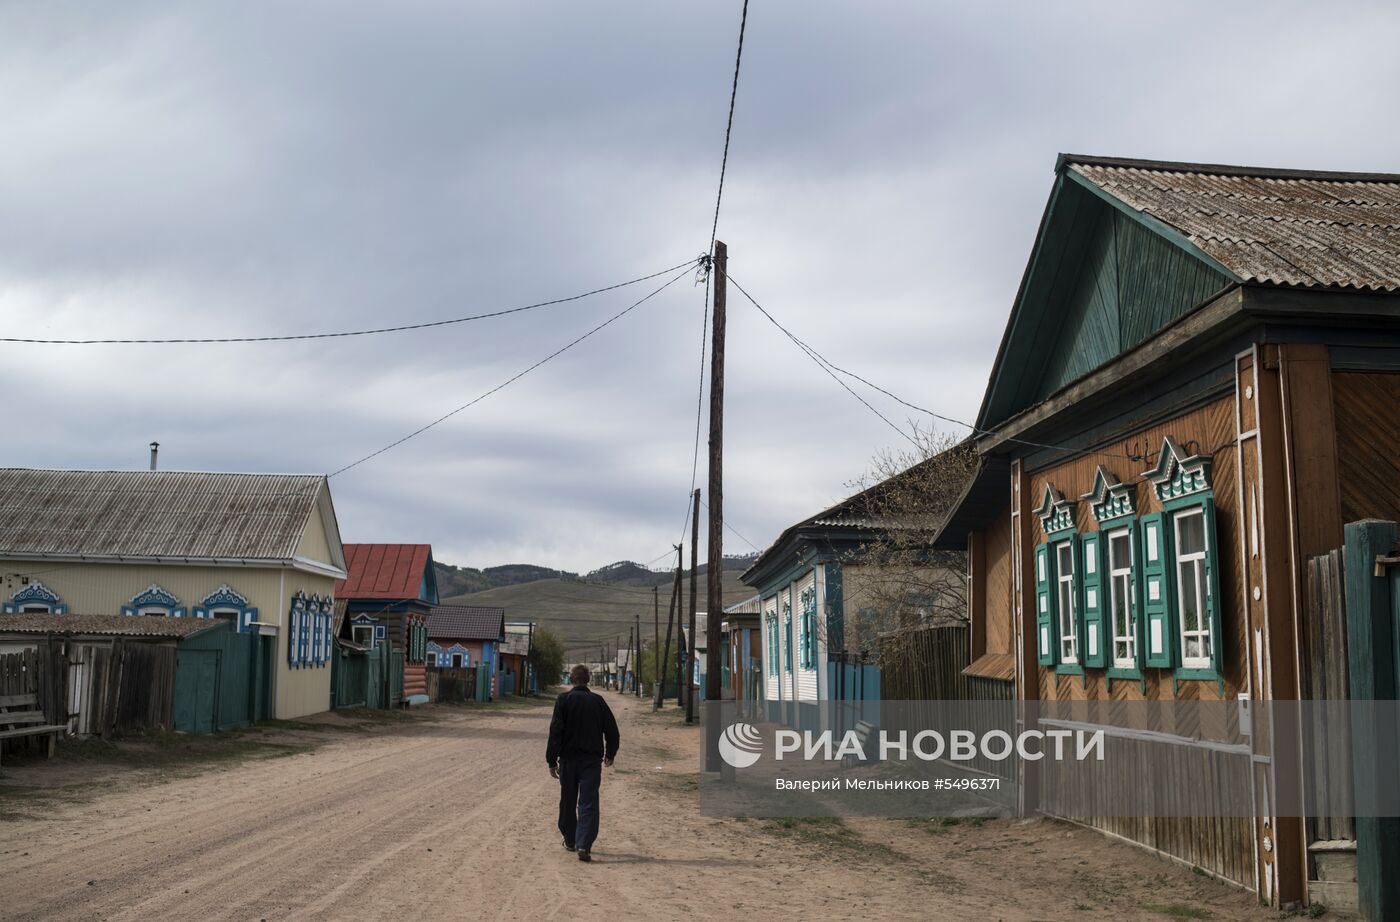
[{"x": 171, "y": 170}]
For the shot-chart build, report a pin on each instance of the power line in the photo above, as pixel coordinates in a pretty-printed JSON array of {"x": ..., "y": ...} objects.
[
  {"x": 828, "y": 366},
  {"x": 823, "y": 364},
  {"x": 733, "y": 531},
  {"x": 446, "y": 416},
  {"x": 346, "y": 333},
  {"x": 729, "y": 124}
]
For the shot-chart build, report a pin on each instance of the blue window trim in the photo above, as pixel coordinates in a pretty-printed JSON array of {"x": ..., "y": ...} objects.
[
  {"x": 154, "y": 597},
  {"x": 34, "y": 594}
]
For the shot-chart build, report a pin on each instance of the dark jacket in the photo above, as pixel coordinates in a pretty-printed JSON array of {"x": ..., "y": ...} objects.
[{"x": 583, "y": 726}]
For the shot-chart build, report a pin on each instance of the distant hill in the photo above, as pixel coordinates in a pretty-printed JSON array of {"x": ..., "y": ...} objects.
[
  {"x": 589, "y": 610},
  {"x": 454, "y": 581},
  {"x": 459, "y": 580}
]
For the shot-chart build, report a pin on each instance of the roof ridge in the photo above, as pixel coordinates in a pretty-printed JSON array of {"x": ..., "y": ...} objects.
[{"x": 1220, "y": 169}]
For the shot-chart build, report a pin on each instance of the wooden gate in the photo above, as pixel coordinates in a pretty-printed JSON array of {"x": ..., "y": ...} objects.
[{"x": 1373, "y": 667}]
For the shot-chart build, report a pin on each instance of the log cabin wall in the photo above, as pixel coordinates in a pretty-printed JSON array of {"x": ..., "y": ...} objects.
[{"x": 1208, "y": 430}]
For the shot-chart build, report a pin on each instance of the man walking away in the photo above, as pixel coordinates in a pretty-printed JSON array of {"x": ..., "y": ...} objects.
[{"x": 582, "y": 739}]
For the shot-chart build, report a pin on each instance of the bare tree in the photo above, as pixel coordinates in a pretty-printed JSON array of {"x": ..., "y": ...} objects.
[{"x": 898, "y": 581}]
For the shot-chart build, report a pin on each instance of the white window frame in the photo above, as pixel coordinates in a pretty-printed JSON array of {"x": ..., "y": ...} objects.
[
  {"x": 1197, "y": 561},
  {"x": 1120, "y": 595},
  {"x": 36, "y": 608},
  {"x": 154, "y": 610},
  {"x": 1068, "y": 608}
]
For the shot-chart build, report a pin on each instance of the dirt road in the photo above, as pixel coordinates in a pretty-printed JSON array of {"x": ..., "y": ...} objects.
[{"x": 451, "y": 817}]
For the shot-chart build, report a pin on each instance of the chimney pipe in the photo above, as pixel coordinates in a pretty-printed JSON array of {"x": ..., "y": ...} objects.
[{"x": 155, "y": 448}]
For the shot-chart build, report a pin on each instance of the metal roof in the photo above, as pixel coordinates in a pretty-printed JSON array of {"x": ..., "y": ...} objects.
[
  {"x": 384, "y": 571},
  {"x": 155, "y": 626},
  {"x": 170, "y": 514},
  {"x": 467, "y": 622},
  {"x": 1306, "y": 228}
]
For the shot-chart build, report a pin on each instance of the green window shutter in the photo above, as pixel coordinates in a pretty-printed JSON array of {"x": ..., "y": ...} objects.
[
  {"x": 1159, "y": 614},
  {"x": 1213, "y": 602},
  {"x": 1093, "y": 645},
  {"x": 1045, "y": 623},
  {"x": 787, "y": 637}
]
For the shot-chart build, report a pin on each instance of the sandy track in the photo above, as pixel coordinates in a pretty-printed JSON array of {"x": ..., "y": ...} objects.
[{"x": 452, "y": 817}]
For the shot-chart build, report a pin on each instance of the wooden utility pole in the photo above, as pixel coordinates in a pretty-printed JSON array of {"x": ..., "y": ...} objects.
[
  {"x": 637, "y": 654},
  {"x": 529, "y": 656},
  {"x": 656, "y": 631},
  {"x": 691, "y": 643},
  {"x": 665, "y": 651},
  {"x": 714, "y": 584}
]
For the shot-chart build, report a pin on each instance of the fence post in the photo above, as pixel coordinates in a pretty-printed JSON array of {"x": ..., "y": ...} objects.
[{"x": 1371, "y": 648}]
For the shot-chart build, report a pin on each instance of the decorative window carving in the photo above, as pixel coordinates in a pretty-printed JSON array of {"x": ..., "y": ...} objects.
[
  {"x": 154, "y": 601},
  {"x": 1110, "y": 498},
  {"x": 35, "y": 597},
  {"x": 1178, "y": 474},
  {"x": 1056, "y": 513},
  {"x": 225, "y": 602}
]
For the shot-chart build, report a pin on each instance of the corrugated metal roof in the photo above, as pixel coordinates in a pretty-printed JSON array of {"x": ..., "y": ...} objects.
[
  {"x": 154, "y": 513},
  {"x": 384, "y": 571},
  {"x": 1283, "y": 227},
  {"x": 467, "y": 622},
  {"x": 114, "y": 625}
]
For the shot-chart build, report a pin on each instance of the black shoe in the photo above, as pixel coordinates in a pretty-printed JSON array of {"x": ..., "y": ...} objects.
[
  {"x": 569, "y": 846},
  {"x": 584, "y": 855}
]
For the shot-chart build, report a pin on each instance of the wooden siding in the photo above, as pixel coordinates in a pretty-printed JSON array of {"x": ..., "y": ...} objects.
[
  {"x": 1368, "y": 444},
  {"x": 1099, "y": 284},
  {"x": 1209, "y": 430},
  {"x": 998, "y": 587}
]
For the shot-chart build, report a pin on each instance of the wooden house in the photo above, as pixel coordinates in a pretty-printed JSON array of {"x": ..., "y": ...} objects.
[
  {"x": 469, "y": 636},
  {"x": 259, "y": 551},
  {"x": 1195, "y": 390},
  {"x": 388, "y": 591},
  {"x": 742, "y": 664},
  {"x": 512, "y": 672},
  {"x": 823, "y": 601}
]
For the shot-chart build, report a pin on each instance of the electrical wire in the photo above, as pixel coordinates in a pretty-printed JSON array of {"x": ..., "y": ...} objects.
[
  {"x": 729, "y": 124},
  {"x": 343, "y": 334},
  {"x": 733, "y": 531},
  {"x": 561, "y": 350},
  {"x": 831, "y": 367}
]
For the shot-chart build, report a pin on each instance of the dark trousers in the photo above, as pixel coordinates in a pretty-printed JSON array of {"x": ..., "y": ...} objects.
[{"x": 579, "y": 779}]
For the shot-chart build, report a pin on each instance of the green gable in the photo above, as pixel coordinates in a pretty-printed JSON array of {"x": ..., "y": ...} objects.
[{"x": 1101, "y": 280}]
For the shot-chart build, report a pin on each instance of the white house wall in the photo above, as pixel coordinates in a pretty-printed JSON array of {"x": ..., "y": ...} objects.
[{"x": 800, "y": 684}]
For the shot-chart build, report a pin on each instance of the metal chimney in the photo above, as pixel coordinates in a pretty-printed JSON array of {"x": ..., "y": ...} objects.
[{"x": 155, "y": 448}]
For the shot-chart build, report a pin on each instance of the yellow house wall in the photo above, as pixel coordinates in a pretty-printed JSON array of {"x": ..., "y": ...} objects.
[{"x": 103, "y": 588}]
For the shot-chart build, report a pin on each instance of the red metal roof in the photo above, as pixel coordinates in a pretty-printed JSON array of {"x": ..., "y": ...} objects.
[{"x": 384, "y": 571}]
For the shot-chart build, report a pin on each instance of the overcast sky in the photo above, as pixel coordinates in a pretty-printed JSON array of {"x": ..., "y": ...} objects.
[{"x": 297, "y": 168}]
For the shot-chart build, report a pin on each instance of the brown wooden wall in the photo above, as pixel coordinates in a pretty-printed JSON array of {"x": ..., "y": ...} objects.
[
  {"x": 998, "y": 587},
  {"x": 1207, "y": 430},
  {"x": 1368, "y": 444}
]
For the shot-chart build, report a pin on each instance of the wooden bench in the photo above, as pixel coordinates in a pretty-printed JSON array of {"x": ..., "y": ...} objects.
[{"x": 20, "y": 715}]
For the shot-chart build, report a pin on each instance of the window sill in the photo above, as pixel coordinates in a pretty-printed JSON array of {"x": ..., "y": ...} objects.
[
  {"x": 1195, "y": 673},
  {"x": 1069, "y": 669}
]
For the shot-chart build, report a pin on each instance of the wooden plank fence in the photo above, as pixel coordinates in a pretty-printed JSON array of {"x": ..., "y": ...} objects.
[
  {"x": 1326, "y": 678},
  {"x": 454, "y": 685}
]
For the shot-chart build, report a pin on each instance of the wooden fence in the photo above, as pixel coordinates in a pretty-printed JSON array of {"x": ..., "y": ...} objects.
[
  {"x": 98, "y": 688},
  {"x": 454, "y": 685},
  {"x": 1326, "y": 678}
]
